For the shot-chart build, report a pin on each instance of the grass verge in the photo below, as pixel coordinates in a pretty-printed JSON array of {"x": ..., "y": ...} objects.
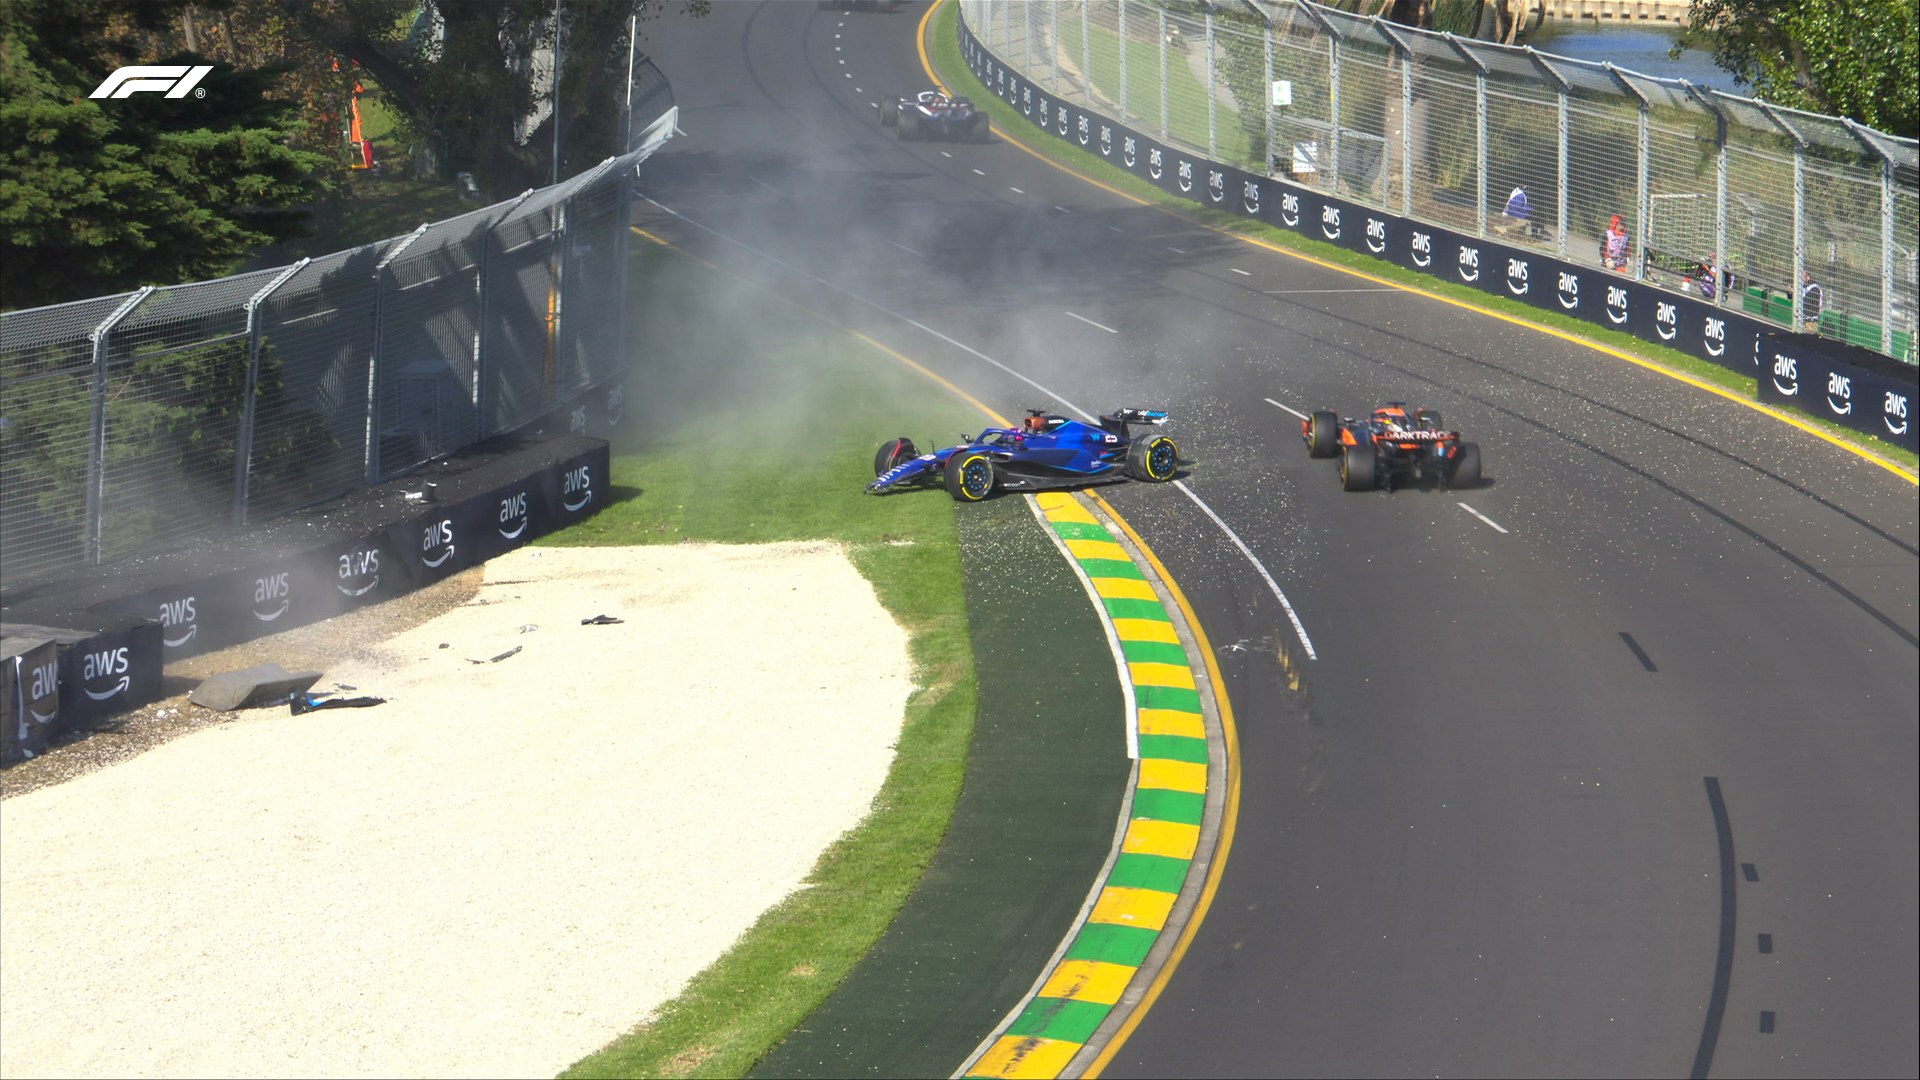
[
  {"x": 757, "y": 423},
  {"x": 943, "y": 49}
]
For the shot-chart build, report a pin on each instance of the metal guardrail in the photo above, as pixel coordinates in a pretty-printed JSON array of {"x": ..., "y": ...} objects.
[
  {"x": 1444, "y": 129},
  {"x": 136, "y": 420}
]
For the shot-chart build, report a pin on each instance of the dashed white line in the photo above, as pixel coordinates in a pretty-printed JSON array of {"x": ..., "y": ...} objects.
[
  {"x": 1063, "y": 209},
  {"x": 843, "y": 61},
  {"x": 906, "y": 249},
  {"x": 1090, "y": 322},
  {"x": 1239, "y": 271},
  {"x": 1481, "y": 516},
  {"x": 849, "y": 74},
  {"x": 1182, "y": 251},
  {"x": 1283, "y": 408},
  {"x": 1116, "y": 228},
  {"x": 1292, "y": 617},
  {"x": 977, "y": 172},
  {"x": 943, "y": 153},
  {"x": 764, "y": 184},
  {"x": 1015, "y": 190}
]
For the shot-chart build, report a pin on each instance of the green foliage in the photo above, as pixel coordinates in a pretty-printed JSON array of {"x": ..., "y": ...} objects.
[
  {"x": 1857, "y": 60},
  {"x": 101, "y": 196}
]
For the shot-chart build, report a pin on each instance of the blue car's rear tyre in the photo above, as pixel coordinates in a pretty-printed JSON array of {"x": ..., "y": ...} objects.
[
  {"x": 893, "y": 452},
  {"x": 969, "y": 476},
  {"x": 1154, "y": 460},
  {"x": 1356, "y": 467}
]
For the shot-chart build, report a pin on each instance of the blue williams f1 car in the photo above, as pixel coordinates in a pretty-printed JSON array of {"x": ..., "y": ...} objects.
[{"x": 1046, "y": 451}]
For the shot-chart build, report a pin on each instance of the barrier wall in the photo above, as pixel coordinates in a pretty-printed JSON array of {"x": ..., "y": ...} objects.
[
  {"x": 91, "y": 656},
  {"x": 1597, "y": 296}
]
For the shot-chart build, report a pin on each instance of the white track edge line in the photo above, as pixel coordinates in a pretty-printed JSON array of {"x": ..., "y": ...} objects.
[
  {"x": 1283, "y": 408},
  {"x": 1293, "y": 617}
]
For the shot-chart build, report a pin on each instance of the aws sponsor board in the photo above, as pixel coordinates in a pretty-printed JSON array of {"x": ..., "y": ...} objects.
[
  {"x": 1598, "y": 296},
  {"x": 1844, "y": 384},
  {"x": 110, "y": 671},
  {"x": 29, "y": 696}
]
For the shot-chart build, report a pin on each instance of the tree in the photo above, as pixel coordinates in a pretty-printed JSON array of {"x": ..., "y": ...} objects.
[
  {"x": 1859, "y": 60},
  {"x": 102, "y": 196},
  {"x": 463, "y": 75}
]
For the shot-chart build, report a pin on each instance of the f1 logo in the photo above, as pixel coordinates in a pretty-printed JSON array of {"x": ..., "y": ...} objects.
[{"x": 176, "y": 80}]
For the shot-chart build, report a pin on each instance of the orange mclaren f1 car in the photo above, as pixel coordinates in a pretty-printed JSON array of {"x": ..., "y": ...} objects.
[{"x": 1393, "y": 442}]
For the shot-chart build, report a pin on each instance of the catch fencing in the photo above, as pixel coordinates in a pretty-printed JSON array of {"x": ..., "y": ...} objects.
[
  {"x": 155, "y": 416},
  {"x": 1442, "y": 129}
]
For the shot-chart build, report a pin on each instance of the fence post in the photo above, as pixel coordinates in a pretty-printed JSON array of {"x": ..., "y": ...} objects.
[
  {"x": 1333, "y": 108},
  {"x": 1213, "y": 96},
  {"x": 1643, "y": 206},
  {"x": 1870, "y": 139},
  {"x": 1266, "y": 88},
  {"x": 1560, "y": 148},
  {"x": 1799, "y": 214},
  {"x": 1086, "y": 47},
  {"x": 1405, "y": 53},
  {"x": 243, "y": 439},
  {"x": 1053, "y": 44},
  {"x": 1123, "y": 60},
  {"x": 1479, "y": 132},
  {"x": 373, "y": 356},
  {"x": 1163, "y": 74},
  {"x": 96, "y": 508},
  {"x": 1026, "y": 40}
]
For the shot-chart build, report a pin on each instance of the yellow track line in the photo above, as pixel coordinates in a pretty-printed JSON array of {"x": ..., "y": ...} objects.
[{"x": 1575, "y": 339}]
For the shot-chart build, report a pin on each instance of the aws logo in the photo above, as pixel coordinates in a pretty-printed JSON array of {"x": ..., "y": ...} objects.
[
  {"x": 1290, "y": 209},
  {"x": 268, "y": 589},
  {"x": 1106, "y": 141},
  {"x": 436, "y": 542},
  {"x": 359, "y": 572},
  {"x": 1330, "y": 222},
  {"x": 1616, "y": 305},
  {"x": 1569, "y": 290},
  {"x": 1517, "y": 277},
  {"x": 513, "y": 516},
  {"x": 576, "y": 489},
  {"x": 177, "y": 621},
  {"x": 1422, "y": 249},
  {"x": 1784, "y": 367},
  {"x": 1469, "y": 263},
  {"x": 1376, "y": 235},
  {"x": 1250, "y": 197},
  {"x": 43, "y": 685},
  {"x": 97, "y": 668},
  {"x": 1216, "y": 186},
  {"x": 1129, "y": 151}
]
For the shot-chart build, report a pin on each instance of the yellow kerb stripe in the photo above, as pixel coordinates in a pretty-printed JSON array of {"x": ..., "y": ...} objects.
[
  {"x": 1172, "y": 722},
  {"x": 1088, "y": 980},
  {"x": 1147, "y": 908},
  {"x": 1120, "y": 588},
  {"x": 1062, "y": 507},
  {"x": 1145, "y": 630},
  {"x": 1025, "y": 1055},
  {"x": 1173, "y": 839},
  {"x": 1173, "y": 775},
  {"x": 1097, "y": 549},
  {"x": 1175, "y": 675}
]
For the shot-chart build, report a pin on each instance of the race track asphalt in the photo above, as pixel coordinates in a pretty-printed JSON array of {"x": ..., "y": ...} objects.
[{"x": 1491, "y": 847}]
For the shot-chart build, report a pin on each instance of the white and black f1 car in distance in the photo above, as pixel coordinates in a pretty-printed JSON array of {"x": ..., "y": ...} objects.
[
  {"x": 931, "y": 114},
  {"x": 1046, "y": 451},
  {"x": 1389, "y": 444}
]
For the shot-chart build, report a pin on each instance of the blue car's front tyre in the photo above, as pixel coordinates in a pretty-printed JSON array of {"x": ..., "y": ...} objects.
[
  {"x": 1154, "y": 460},
  {"x": 969, "y": 476}
]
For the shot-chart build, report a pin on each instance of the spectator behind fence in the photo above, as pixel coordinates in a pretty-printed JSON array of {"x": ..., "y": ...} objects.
[
  {"x": 1811, "y": 296},
  {"x": 1613, "y": 249},
  {"x": 1518, "y": 208},
  {"x": 1706, "y": 276}
]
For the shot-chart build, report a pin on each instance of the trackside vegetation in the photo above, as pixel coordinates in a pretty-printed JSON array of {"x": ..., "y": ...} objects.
[
  {"x": 754, "y": 422},
  {"x": 944, "y": 50}
]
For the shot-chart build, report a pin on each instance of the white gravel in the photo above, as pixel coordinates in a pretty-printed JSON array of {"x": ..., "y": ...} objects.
[{"x": 498, "y": 871}]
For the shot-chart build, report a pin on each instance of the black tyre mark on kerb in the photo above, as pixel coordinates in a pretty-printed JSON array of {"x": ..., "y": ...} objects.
[
  {"x": 1723, "y": 963},
  {"x": 1638, "y": 652}
]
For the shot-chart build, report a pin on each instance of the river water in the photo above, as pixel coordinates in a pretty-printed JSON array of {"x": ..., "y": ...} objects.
[{"x": 1639, "y": 46}]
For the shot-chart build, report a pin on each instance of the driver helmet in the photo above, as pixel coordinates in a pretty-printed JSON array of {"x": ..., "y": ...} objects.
[
  {"x": 1037, "y": 424},
  {"x": 1393, "y": 415}
]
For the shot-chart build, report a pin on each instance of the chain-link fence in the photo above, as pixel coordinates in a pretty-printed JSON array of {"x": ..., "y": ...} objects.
[
  {"x": 1804, "y": 219},
  {"x": 134, "y": 420}
]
